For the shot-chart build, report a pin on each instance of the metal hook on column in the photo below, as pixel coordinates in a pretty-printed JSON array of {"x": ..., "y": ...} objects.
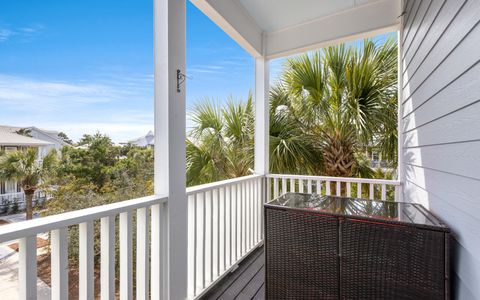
[{"x": 181, "y": 79}]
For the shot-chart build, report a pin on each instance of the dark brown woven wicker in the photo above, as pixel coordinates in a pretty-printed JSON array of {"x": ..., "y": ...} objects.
[
  {"x": 327, "y": 249},
  {"x": 384, "y": 261},
  {"x": 301, "y": 256}
]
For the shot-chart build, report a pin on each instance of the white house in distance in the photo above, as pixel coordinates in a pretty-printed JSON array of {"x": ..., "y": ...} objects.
[
  {"x": 49, "y": 136},
  {"x": 11, "y": 140},
  {"x": 145, "y": 141}
]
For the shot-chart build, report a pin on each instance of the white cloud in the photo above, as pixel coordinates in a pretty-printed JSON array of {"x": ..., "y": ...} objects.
[
  {"x": 121, "y": 107},
  {"x": 5, "y": 34},
  {"x": 23, "y": 33}
]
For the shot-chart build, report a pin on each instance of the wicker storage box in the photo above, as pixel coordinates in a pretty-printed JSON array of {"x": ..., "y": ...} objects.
[{"x": 342, "y": 248}]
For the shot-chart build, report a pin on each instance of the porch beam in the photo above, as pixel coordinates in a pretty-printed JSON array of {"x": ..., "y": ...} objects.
[
  {"x": 360, "y": 22},
  {"x": 232, "y": 18},
  {"x": 262, "y": 122},
  {"x": 169, "y": 177}
]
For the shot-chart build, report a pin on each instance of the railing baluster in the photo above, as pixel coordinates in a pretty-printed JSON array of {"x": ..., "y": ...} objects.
[
  {"x": 252, "y": 212},
  {"x": 27, "y": 267},
  {"x": 86, "y": 261},
  {"x": 236, "y": 230},
  {"x": 371, "y": 194},
  {"x": 261, "y": 200},
  {"x": 142, "y": 259},
  {"x": 327, "y": 187},
  {"x": 204, "y": 238},
  {"x": 284, "y": 185},
  {"x": 195, "y": 250},
  {"x": 309, "y": 186},
  {"x": 319, "y": 187},
  {"x": 292, "y": 185},
  {"x": 224, "y": 228},
  {"x": 359, "y": 190},
  {"x": 275, "y": 188},
  {"x": 398, "y": 193},
  {"x": 300, "y": 186},
  {"x": 230, "y": 237},
  {"x": 268, "y": 184},
  {"x": 156, "y": 252},
  {"x": 107, "y": 258},
  {"x": 218, "y": 232},
  {"x": 384, "y": 192},
  {"x": 125, "y": 236},
  {"x": 59, "y": 264},
  {"x": 349, "y": 189},
  {"x": 211, "y": 234},
  {"x": 339, "y": 188},
  {"x": 242, "y": 218}
]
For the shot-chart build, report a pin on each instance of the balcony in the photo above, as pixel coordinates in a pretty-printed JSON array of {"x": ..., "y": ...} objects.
[
  {"x": 225, "y": 226},
  {"x": 205, "y": 241}
]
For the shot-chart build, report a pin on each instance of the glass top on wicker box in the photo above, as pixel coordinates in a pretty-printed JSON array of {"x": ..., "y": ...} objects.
[{"x": 397, "y": 212}]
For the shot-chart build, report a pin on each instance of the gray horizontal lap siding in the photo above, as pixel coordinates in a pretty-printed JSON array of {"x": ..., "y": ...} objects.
[{"x": 441, "y": 123}]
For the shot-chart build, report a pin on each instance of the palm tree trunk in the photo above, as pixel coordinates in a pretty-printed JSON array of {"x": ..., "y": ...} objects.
[{"x": 29, "y": 203}]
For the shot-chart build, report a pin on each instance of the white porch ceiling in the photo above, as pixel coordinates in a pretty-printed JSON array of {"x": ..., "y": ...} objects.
[
  {"x": 274, "y": 28},
  {"x": 274, "y": 15}
]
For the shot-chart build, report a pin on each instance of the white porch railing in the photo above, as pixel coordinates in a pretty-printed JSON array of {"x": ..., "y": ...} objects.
[
  {"x": 225, "y": 224},
  {"x": 338, "y": 186},
  {"x": 147, "y": 223}
]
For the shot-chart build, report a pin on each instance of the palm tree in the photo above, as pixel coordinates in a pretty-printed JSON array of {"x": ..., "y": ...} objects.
[
  {"x": 220, "y": 143},
  {"x": 326, "y": 106},
  {"x": 25, "y": 168},
  {"x": 340, "y": 99}
]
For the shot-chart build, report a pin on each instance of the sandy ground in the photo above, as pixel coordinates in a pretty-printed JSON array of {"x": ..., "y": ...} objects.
[{"x": 9, "y": 267}]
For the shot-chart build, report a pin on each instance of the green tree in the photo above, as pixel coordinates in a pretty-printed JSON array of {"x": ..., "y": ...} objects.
[
  {"x": 325, "y": 108},
  {"x": 29, "y": 171},
  {"x": 338, "y": 100},
  {"x": 91, "y": 161},
  {"x": 220, "y": 143},
  {"x": 64, "y": 137}
]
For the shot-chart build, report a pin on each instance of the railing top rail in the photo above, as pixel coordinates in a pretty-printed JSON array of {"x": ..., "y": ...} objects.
[
  {"x": 341, "y": 179},
  {"x": 32, "y": 227},
  {"x": 219, "y": 184}
]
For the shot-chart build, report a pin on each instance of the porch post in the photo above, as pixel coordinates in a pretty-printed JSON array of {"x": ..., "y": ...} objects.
[
  {"x": 169, "y": 178},
  {"x": 262, "y": 122}
]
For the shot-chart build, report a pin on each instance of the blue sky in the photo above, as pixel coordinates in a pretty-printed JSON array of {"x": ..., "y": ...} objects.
[{"x": 87, "y": 66}]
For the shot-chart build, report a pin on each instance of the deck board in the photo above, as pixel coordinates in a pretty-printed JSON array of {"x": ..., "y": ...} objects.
[{"x": 244, "y": 283}]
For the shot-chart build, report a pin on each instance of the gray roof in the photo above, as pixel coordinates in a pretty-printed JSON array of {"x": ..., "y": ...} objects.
[
  {"x": 144, "y": 141},
  {"x": 13, "y": 139},
  {"x": 51, "y": 133}
]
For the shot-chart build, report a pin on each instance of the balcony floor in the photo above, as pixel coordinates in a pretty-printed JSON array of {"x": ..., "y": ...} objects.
[{"x": 245, "y": 282}]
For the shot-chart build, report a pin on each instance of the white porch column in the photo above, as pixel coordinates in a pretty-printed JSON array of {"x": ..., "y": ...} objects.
[
  {"x": 170, "y": 179},
  {"x": 262, "y": 122}
]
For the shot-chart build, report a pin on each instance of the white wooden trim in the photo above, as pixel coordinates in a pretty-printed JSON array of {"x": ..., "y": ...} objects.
[
  {"x": 155, "y": 263},
  {"x": 126, "y": 258},
  {"x": 107, "y": 258},
  {"x": 32, "y": 227},
  {"x": 218, "y": 184},
  {"x": 142, "y": 258},
  {"x": 400, "y": 137},
  {"x": 27, "y": 268},
  {"x": 359, "y": 22},
  {"x": 86, "y": 255},
  {"x": 59, "y": 264},
  {"x": 262, "y": 121},
  {"x": 335, "y": 179},
  {"x": 170, "y": 134},
  {"x": 233, "y": 19}
]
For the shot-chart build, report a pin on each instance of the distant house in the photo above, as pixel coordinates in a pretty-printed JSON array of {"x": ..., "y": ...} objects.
[
  {"x": 50, "y": 136},
  {"x": 145, "y": 141},
  {"x": 12, "y": 140}
]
